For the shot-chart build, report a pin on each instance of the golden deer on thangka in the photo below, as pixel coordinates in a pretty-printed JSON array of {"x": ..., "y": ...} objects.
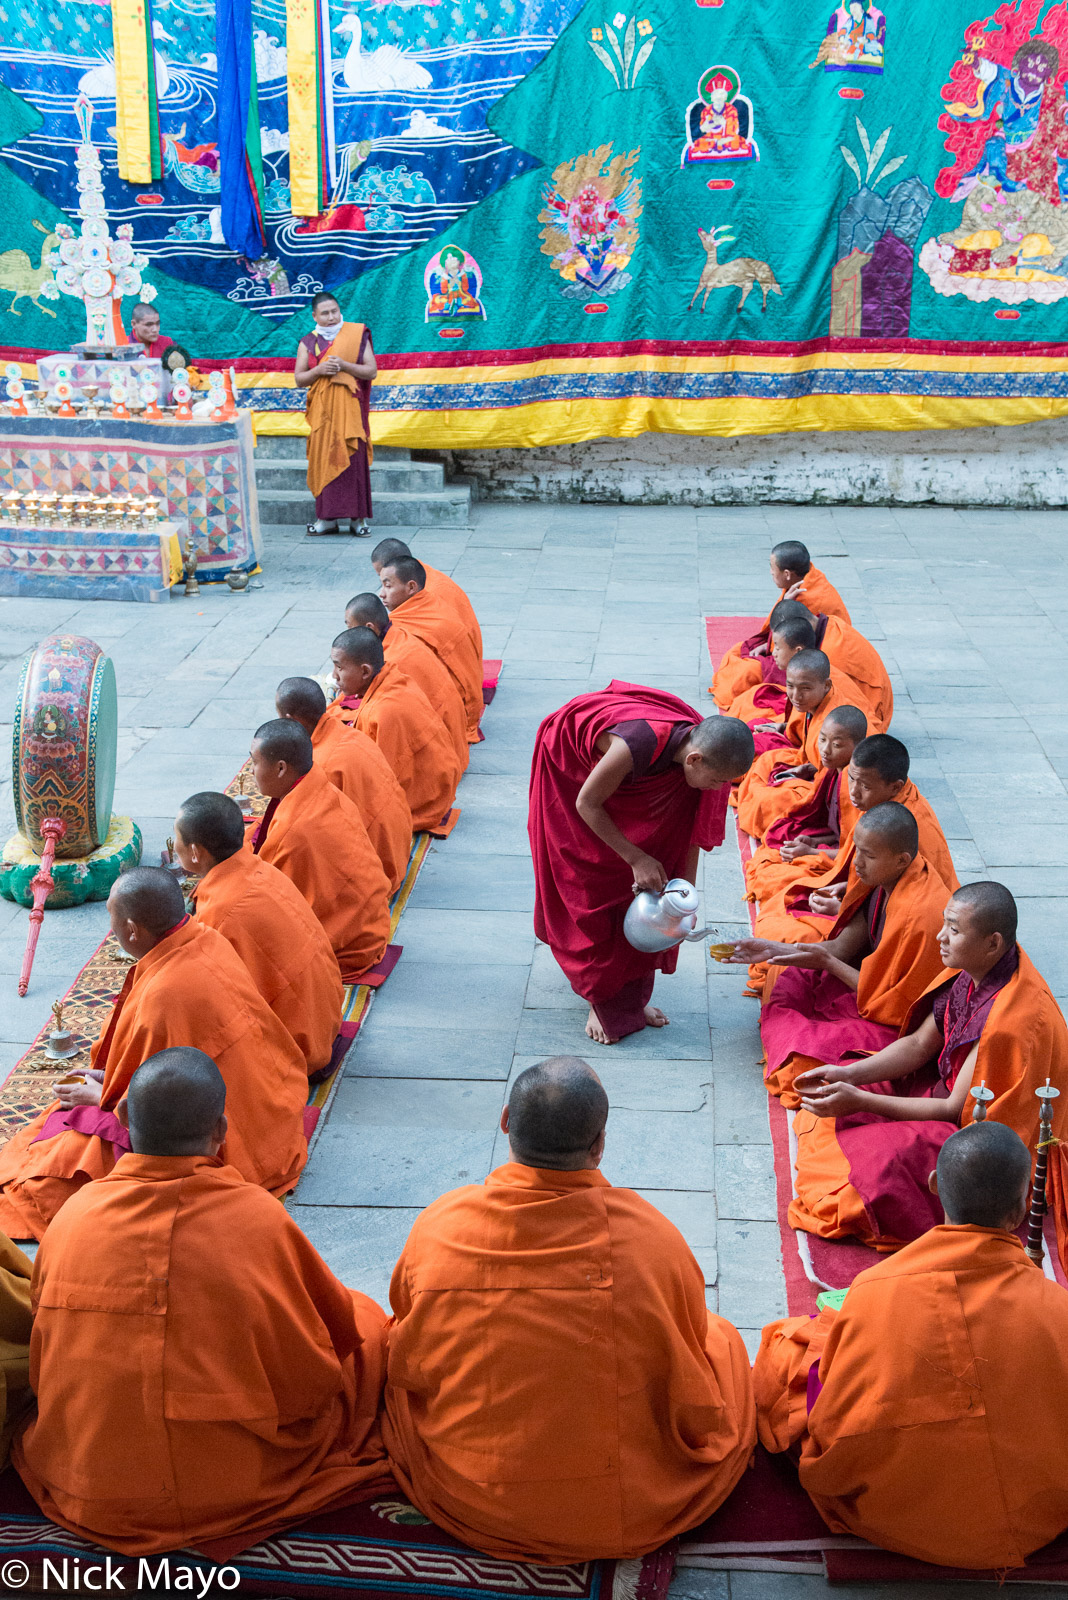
[
  {"x": 21, "y": 279},
  {"x": 742, "y": 272}
]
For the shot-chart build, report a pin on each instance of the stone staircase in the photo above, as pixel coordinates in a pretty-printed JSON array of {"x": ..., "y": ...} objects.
[{"x": 405, "y": 493}]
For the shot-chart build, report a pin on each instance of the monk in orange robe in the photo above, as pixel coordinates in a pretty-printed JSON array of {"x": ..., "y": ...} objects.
[
  {"x": 852, "y": 991},
  {"x": 845, "y": 648},
  {"x": 869, "y": 1131},
  {"x": 200, "y": 1372},
  {"x": 813, "y": 692},
  {"x": 313, "y": 834},
  {"x": 396, "y": 714},
  {"x": 16, "y": 1320},
  {"x": 404, "y": 593},
  {"x": 187, "y": 983},
  {"x": 806, "y": 903},
  {"x": 355, "y": 765},
  {"x": 928, "y": 1410},
  {"x": 418, "y": 662},
  {"x": 593, "y": 1407},
  {"x": 265, "y": 917},
  {"x": 337, "y": 365},
  {"x": 438, "y": 585},
  {"x": 819, "y": 815},
  {"x": 796, "y": 578}
]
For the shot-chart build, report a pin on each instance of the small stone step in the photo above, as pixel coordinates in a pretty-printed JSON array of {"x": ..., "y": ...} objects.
[
  {"x": 287, "y": 446},
  {"x": 448, "y": 507},
  {"x": 419, "y": 477}
]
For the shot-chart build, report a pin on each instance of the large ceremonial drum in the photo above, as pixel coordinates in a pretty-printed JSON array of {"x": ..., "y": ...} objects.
[{"x": 64, "y": 743}]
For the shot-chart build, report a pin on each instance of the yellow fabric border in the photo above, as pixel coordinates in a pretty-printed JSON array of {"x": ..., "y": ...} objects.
[
  {"x": 301, "y": 72},
  {"x": 571, "y": 422},
  {"x": 129, "y": 26}
]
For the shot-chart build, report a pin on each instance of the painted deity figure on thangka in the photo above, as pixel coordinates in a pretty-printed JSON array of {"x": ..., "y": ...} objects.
[
  {"x": 591, "y": 213},
  {"x": 453, "y": 283},
  {"x": 855, "y": 40},
  {"x": 719, "y": 124},
  {"x": 1005, "y": 118}
]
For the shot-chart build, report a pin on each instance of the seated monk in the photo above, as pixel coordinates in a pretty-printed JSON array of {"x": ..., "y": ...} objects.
[
  {"x": 315, "y": 835},
  {"x": 592, "y": 1406},
  {"x": 355, "y": 765},
  {"x": 439, "y": 586},
  {"x": 16, "y": 1320},
  {"x": 927, "y": 1410},
  {"x": 435, "y": 621},
  {"x": 856, "y": 987},
  {"x": 200, "y": 1372},
  {"x": 869, "y": 1131},
  {"x": 627, "y": 787},
  {"x": 820, "y": 811},
  {"x": 794, "y": 575},
  {"x": 845, "y": 648},
  {"x": 804, "y": 906},
  {"x": 397, "y": 715},
  {"x": 783, "y": 749},
  {"x": 186, "y": 983},
  {"x": 769, "y": 702},
  {"x": 418, "y": 662},
  {"x": 267, "y": 920}
]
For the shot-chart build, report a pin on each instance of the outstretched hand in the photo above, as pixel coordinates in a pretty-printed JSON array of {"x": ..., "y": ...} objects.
[
  {"x": 818, "y": 1077},
  {"x": 832, "y": 1100}
]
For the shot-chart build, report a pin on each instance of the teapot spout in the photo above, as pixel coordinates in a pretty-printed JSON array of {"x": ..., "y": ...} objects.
[{"x": 699, "y": 933}]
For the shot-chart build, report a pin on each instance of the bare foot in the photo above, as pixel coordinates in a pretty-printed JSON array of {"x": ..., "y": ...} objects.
[
  {"x": 595, "y": 1031},
  {"x": 655, "y": 1018}
]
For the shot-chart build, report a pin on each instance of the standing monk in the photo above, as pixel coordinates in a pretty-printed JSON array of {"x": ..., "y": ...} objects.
[
  {"x": 201, "y": 1374},
  {"x": 267, "y": 920},
  {"x": 438, "y": 584},
  {"x": 355, "y": 765},
  {"x": 187, "y": 984},
  {"x": 929, "y": 1410},
  {"x": 418, "y": 662},
  {"x": 796, "y": 578},
  {"x": 396, "y": 714},
  {"x": 337, "y": 366},
  {"x": 627, "y": 786},
  {"x": 434, "y": 620},
  {"x": 557, "y": 1389},
  {"x": 313, "y": 834}
]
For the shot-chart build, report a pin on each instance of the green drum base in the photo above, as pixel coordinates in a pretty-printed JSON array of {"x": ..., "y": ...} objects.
[{"x": 86, "y": 878}]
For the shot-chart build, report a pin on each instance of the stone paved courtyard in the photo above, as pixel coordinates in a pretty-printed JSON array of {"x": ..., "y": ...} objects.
[{"x": 967, "y": 610}]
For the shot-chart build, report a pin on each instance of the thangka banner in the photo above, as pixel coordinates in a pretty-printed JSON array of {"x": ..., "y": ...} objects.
[{"x": 563, "y": 220}]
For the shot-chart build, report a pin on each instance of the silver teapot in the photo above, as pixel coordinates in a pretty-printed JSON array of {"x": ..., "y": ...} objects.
[{"x": 659, "y": 921}]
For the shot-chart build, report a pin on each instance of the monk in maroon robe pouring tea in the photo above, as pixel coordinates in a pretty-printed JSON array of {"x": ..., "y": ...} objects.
[{"x": 627, "y": 786}]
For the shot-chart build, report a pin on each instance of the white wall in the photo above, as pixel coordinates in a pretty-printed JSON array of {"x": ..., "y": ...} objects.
[{"x": 1023, "y": 466}]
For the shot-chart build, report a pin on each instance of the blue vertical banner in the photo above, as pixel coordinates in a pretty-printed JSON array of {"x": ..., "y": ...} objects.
[{"x": 241, "y": 218}]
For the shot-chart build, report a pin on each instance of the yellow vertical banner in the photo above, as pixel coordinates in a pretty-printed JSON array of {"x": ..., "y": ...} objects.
[
  {"x": 302, "y": 84},
  {"x": 133, "y": 52}
]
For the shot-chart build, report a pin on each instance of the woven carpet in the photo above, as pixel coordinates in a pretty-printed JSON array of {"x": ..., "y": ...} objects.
[{"x": 376, "y": 1551}]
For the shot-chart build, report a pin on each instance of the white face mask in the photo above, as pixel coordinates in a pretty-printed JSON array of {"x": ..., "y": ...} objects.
[{"x": 329, "y": 334}]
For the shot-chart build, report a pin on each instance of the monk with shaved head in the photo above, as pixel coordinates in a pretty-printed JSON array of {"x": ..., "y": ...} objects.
[
  {"x": 852, "y": 991},
  {"x": 557, "y": 1389},
  {"x": 355, "y": 765},
  {"x": 434, "y": 620},
  {"x": 417, "y": 661},
  {"x": 265, "y": 917},
  {"x": 869, "y": 1130},
  {"x": 627, "y": 787},
  {"x": 796, "y": 577},
  {"x": 940, "y": 1382},
  {"x": 200, "y": 1372},
  {"x": 439, "y": 586},
  {"x": 315, "y": 835},
  {"x": 396, "y": 714},
  {"x": 187, "y": 986}
]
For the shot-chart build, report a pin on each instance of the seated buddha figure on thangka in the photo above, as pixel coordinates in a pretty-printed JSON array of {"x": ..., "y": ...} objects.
[{"x": 719, "y": 125}]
